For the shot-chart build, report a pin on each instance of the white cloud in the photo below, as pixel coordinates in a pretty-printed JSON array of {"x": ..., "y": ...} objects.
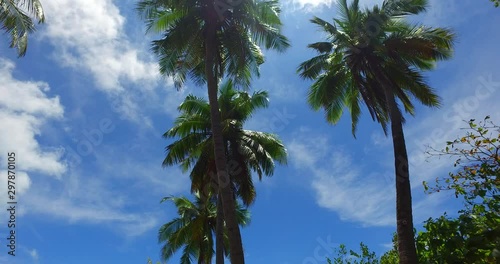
[
  {"x": 20, "y": 137},
  {"x": 318, "y": 5},
  {"x": 305, "y": 5},
  {"x": 341, "y": 185},
  {"x": 26, "y": 96},
  {"x": 24, "y": 109},
  {"x": 90, "y": 35}
]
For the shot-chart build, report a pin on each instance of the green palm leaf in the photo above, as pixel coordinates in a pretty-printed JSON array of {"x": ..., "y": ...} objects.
[{"x": 16, "y": 19}]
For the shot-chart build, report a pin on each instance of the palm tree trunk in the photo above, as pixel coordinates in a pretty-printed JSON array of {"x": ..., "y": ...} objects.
[
  {"x": 235, "y": 243},
  {"x": 404, "y": 216},
  {"x": 219, "y": 233}
]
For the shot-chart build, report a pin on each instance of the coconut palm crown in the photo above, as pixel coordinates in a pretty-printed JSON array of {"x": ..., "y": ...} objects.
[{"x": 246, "y": 150}]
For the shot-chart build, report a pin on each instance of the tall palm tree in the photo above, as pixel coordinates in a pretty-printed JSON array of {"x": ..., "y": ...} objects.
[
  {"x": 246, "y": 150},
  {"x": 207, "y": 40},
  {"x": 16, "y": 17},
  {"x": 374, "y": 56},
  {"x": 193, "y": 229}
]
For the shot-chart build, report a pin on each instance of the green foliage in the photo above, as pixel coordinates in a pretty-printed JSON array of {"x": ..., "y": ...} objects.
[
  {"x": 496, "y": 2},
  {"x": 470, "y": 238},
  {"x": 16, "y": 20},
  {"x": 345, "y": 256},
  {"x": 478, "y": 163},
  {"x": 391, "y": 256},
  {"x": 473, "y": 237}
]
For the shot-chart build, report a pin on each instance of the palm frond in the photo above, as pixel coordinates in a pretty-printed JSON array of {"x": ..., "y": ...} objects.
[
  {"x": 399, "y": 8},
  {"x": 16, "y": 20},
  {"x": 326, "y": 26}
]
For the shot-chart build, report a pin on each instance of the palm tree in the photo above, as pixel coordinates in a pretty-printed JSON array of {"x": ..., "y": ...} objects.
[
  {"x": 193, "y": 229},
  {"x": 375, "y": 57},
  {"x": 16, "y": 19},
  {"x": 207, "y": 40},
  {"x": 246, "y": 150}
]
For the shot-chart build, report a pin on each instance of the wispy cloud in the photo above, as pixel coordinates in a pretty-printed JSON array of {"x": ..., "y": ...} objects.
[
  {"x": 147, "y": 174},
  {"x": 34, "y": 255},
  {"x": 357, "y": 192},
  {"x": 89, "y": 200},
  {"x": 340, "y": 184}
]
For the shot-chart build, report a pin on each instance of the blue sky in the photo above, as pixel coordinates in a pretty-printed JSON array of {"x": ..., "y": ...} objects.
[{"x": 85, "y": 110}]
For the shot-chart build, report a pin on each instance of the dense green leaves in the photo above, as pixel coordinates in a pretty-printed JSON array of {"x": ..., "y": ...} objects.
[
  {"x": 473, "y": 237},
  {"x": 470, "y": 238},
  {"x": 16, "y": 18}
]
